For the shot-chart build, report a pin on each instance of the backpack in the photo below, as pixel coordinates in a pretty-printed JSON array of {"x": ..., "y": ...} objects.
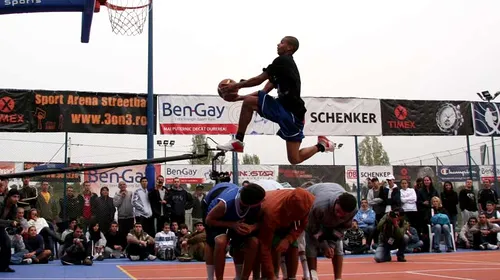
[{"x": 166, "y": 254}]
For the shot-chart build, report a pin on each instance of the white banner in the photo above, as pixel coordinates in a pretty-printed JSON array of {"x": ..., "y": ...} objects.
[
  {"x": 205, "y": 114},
  {"x": 199, "y": 174},
  {"x": 208, "y": 114},
  {"x": 486, "y": 172},
  {"x": 342, "y": 116},
  {"x": 365, "y": 172}
]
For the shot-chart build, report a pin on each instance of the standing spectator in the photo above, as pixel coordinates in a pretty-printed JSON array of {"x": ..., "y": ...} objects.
[
  {"x": 104, "y": 210},
  {"x": 391, "y": 195},
  {"x": 485, "y": 234},
  {"x": 467, "y": 202},
  {"x": 116, "y": 241},
  {"x": 424, "y": 195},
  {"x": 86, "y": 200},
  {"x": 73, "y": 209},
  {"x": 140, "y": 244},
  {"x": 377, "y": 204},
  {"x": 367, "y": 188},
  {"x": 142, "y": 208},
  {"x": 123, "y": 202},
  {"x": 486, "y": 194},
  {"x": 158, "y": 200},
  {"x": 365, "y": 219},
  {"x": 7, "y": 219},
  {"x": 77, "y": 249},
  {"x": 180, "y": 201},
  {"x": 409, "y": 202},
  {"x": 47, "y": 205},
  {"x": 449, "y": 198},
  {"x": 3, "y": 192},
  {"x": 197, "y": 213},
  {"x": 28, "y": 194}
]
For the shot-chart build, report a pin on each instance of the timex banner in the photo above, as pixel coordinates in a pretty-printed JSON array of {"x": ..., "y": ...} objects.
[{"x": 405, "y": 117}]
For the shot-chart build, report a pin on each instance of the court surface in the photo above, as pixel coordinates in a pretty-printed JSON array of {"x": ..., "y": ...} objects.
[{"x": 460, "y": 266}]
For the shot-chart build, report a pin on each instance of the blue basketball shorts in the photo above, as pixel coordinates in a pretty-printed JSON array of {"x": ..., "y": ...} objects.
[{"x": 291, "y": 128}]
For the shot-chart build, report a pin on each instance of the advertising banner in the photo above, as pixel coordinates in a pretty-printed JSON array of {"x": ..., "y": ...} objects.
[
  {"x": 205, "y": 114},
  {"x": 457, "y": 173},
  {"x": 486, "y": 173},
  {"x": 89, "y": 112},
  {"x": 408, "y": 117},
  {"x": 59, "y": 177},
  {"x": 413, "y": 172},
  {"x": 7, "y": 167},
  {"x": 15, "y": 113},
  {"x": 486, "y": 118},
  {"x": 297, "y": 175},
  {"x": 110, "y": 177},
  {"x": 365, "y": 172},
  {"x": 200, "y": 174},
  {"x": 342, "y": 116}
]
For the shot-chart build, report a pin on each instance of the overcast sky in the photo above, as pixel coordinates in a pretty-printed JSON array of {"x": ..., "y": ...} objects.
[{"x": 424, "y": 49}]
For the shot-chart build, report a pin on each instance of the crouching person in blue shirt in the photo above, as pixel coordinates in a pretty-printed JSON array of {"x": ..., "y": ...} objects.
[{"x": 392, "y": 229}]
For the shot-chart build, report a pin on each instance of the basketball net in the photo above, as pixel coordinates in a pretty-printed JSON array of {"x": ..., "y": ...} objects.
[{"x": 128, "y": 17}]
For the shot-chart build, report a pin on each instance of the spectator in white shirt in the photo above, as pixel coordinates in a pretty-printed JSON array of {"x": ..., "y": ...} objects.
[
  {"x": 409, "y": 202},
  {"x": 142, "y": 208}
]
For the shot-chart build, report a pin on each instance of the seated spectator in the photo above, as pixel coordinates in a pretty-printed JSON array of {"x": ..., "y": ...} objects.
[
  {"x": 97, "y": 240},
  {"x": 77, "y": 249},
  {"x": 354, "y": 240},
  {"x": 42, "y": 228},
  {"x": 366, "y": 221},
  {"x": 21, "y": 220},
  {"x": 165, "y": 242},
  {"x": 181, "y": 236},
  {"x": 34, "y": 245},
  {"x": 440, "y": 225},
  {"x": 392, "y": 228},
  {"x": 19, "y": 250},
  {"x": 70, "y": 229},
  {"x": 465, "y": 237},
  {"x": 174, "y": 226},
  {"x": 485, "y": 234},
  {"x": 194, "y": 244},
  {"x": 116, "y": 242},
  {"x": 140, "y": 244},
  {"x": 491, "y": 213},
  {"x": 413, "y": 242}
]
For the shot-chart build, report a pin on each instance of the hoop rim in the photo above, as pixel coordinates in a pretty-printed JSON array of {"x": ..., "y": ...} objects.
[{"x": 121, "y": 8}]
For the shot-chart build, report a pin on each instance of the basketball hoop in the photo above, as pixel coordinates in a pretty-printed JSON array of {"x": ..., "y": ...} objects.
[{"x": 128, "y": 17}]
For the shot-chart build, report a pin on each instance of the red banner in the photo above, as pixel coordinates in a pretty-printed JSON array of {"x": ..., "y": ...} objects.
[{"x": 7, "y": 167}]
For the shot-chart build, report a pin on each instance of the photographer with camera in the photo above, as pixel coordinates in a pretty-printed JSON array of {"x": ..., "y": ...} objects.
[
  {"x": 392, "y": 228},
  {"x": 8, "y": 211}
]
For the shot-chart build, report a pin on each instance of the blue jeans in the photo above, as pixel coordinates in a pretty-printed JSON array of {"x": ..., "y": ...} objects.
[
  {"x": 18, "y": 257},
  {"x": 439, "y": 230},
  {"x": 383, "y": 252}
]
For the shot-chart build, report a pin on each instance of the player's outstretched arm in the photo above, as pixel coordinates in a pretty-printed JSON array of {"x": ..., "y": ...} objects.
[{"x": 255, "y": 81}]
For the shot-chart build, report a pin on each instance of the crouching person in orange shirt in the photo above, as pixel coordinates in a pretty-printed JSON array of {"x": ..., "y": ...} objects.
[{"x": 284, "y": 216}]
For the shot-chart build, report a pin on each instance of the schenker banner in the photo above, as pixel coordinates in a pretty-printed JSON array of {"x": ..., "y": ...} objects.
[
  {"x": 407, "y": 117},
  {"x": 15, "y": 113},
  {"x": 205, "y": 114},
  {"x": 342, "y": 116},
  {"x": 89, "y": 112}
]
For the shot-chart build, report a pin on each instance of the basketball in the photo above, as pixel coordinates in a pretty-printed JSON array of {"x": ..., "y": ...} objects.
[{"x": 228, "y": 96}]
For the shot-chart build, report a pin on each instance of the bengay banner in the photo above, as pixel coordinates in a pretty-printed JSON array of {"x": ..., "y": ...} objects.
[
  {"x": 89, "y": 112},
  {"x": 486, "y": 117},
  {"x": 297, "y": 175},
  {"x": 342, "y": 116},
  {"x": 200, "y": 174},
  {"x": 205, "y": 114},
  {"x": 407, "y": 117},
  {"x": 457, "y": 173},
  {"x": 15, "y": 112},
  {"x": 110, "y": 177}
]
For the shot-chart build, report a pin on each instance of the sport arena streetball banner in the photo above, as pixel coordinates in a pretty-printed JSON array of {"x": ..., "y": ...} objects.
[
  {"x": 73, "y": 177},
  {"x": 208, "y": 114}
]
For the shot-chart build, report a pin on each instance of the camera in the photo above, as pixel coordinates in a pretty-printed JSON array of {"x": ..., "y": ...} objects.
[
  {"x": 14, "y": 230},
  {"x": 394, "y": 214}
]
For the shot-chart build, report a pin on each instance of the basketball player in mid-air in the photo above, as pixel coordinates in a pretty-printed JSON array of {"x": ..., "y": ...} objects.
[{"x": 288, "y": 110}]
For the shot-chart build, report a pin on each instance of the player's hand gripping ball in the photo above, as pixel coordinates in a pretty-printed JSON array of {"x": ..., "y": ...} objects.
[{"x": 227, "y": 90}]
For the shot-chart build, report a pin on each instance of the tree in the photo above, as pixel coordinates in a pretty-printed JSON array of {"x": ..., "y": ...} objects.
[
  {"x": 199, "y": 147},
  {"x": 250, "y": 159},
  {"x": 371, "y": 152}
]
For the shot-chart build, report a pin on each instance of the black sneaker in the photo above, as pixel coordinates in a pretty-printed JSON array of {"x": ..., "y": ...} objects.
[{"x": 401, "y": 259}]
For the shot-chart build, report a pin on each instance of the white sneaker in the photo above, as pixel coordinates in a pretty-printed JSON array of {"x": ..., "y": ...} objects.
[
  {"x": 151, "y": 257},
  {"x": 234, "y": 145},
  {"x": 492, "y": 247},
  {"x": 347, "y": 252},
  {"x": 27, "y": 261},
  {"x": 135, "y": 258},
  {"x": 325, "y": 142},
  {"x": 314, "y": 275}
]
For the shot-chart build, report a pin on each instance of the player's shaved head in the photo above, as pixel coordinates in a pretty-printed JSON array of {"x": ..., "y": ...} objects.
[
  {"x": 252, "y": 194},
  {"x": 292, "y": 42}
]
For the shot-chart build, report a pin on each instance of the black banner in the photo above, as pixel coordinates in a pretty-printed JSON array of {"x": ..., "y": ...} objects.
[
  {"x": 406, "y": 117},
  {"x": 70, "y": 177},
  {"x": 413, "y": 172},
  {"x": 15, "y": 111},
  {"x": 89, "y": 112},
  {"x": 297, "y": 175}
]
